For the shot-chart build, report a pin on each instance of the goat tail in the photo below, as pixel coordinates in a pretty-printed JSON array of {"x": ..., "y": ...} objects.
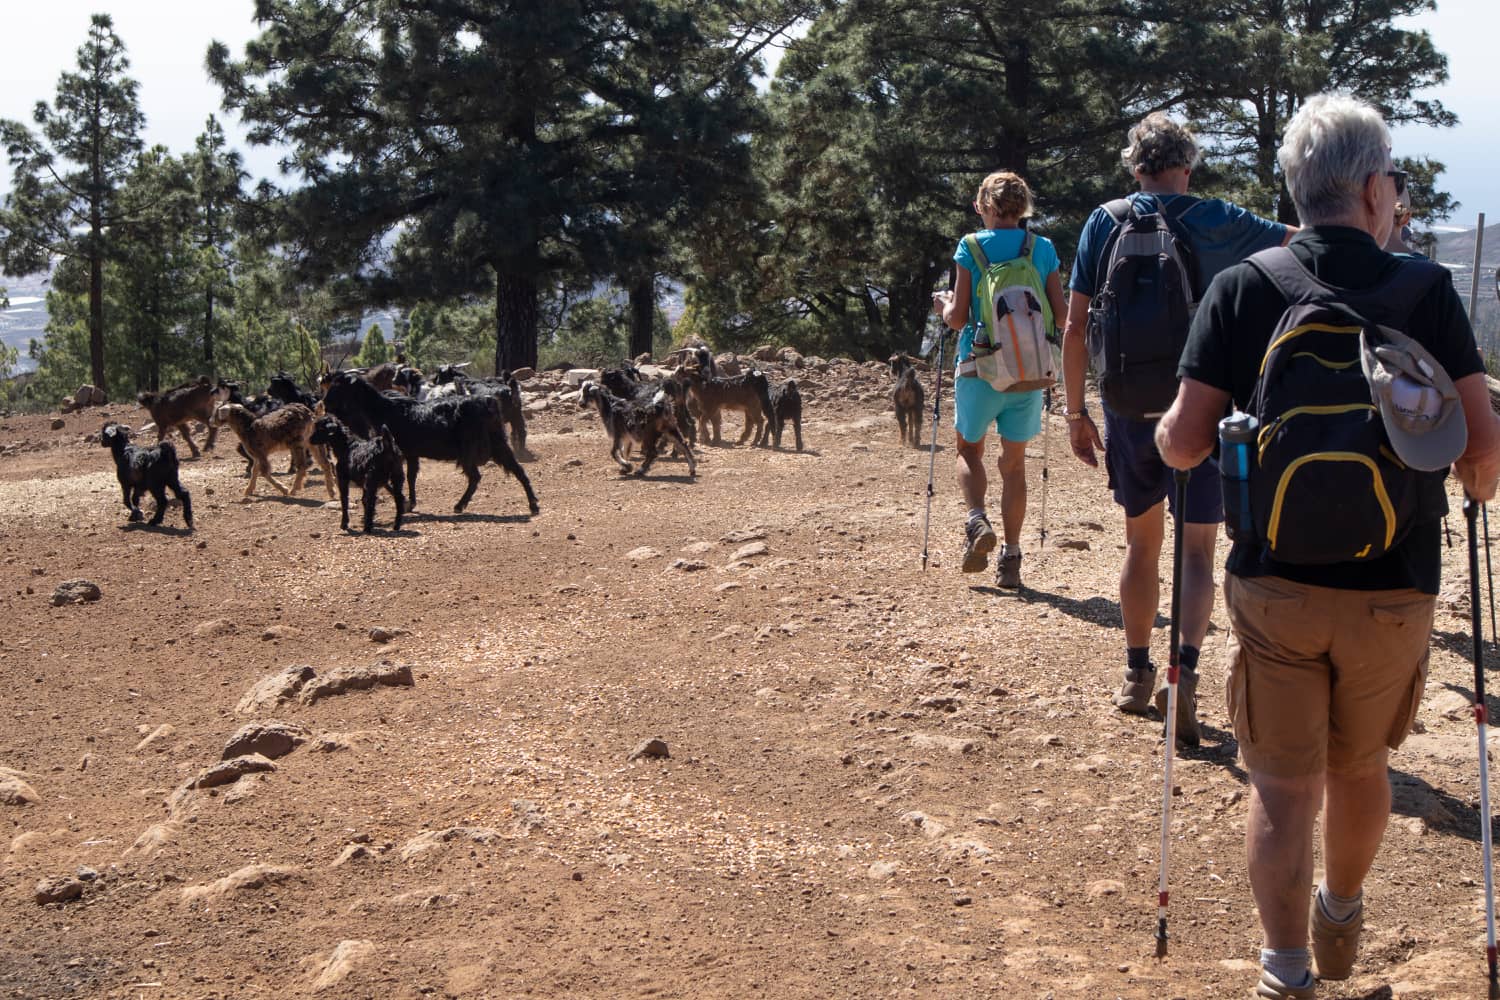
[{"x": 168, "y": 454}]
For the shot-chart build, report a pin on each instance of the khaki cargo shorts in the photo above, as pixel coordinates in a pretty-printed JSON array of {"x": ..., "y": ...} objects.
[{"x": 1323, "y": 679}]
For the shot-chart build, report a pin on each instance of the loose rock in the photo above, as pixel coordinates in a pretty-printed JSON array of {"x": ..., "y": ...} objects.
[
  {"x": 214, "y": 628},
  {"x": 749, "y": 551},
  {"x": 339, "y": 964},
  {"x": 57, "y": 890},
  {"x": 157, "y": 737},
  {"x": 642, "y": 554},
  {"x": 247, "y": 878},
  {"x": 14, "y": 791},
  {"x": 383, "y": 635},
  {"x": 76, "y": 592},
  {"x": 229, "y": 771},
  {"x": 650, "y": 748}
]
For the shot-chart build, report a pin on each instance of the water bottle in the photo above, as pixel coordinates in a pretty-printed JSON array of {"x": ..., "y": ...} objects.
[{"x": 1237, "y": 433}]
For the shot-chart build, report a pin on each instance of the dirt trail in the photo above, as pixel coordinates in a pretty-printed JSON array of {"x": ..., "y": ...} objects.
[{"x": 880, "y": 782}]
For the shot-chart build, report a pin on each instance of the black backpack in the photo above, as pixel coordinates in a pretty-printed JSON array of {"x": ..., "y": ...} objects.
[
  {"x": 1145, "y": 295},
  {"x": 1325, "y": 484}
]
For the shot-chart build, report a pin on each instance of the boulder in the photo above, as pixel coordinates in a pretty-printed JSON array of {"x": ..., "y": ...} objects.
[
  {"x": 523, "y": 374},
  {"x": 58, "y": 423},
  {"x": 273, "y": 689},
  {"x": 765, "y": 352},
  {"x": 577, "y": 376},
  {"x": 271, "y": 740},
  {"x": 68, "y": 404},
  {"x": 341, "y": 680},
  {"x": 76, "y": 592},
  {"x": 227, "y": 772},
  {"x": 338, "y": 965},
  {"x": 728, "y": 364},
  {"x": 14, "y": 791},
  {"x": 650, "y": 748}
]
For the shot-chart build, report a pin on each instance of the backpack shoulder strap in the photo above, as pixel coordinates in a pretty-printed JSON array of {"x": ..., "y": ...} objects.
[
  {"x": 1120, "y": 211},
  {"x": 1282, "y": 268},
  {"x": 972, "y": 242},
  {"x": 1027, "y": 240},
  {"x": 1412, "y": 281}
]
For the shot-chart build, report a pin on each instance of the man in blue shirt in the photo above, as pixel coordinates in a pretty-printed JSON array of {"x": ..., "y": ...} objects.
[{"x": 1161, "y": 156}]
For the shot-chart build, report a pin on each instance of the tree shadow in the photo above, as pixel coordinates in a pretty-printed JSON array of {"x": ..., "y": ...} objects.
[
  {"x": 1096, "y": 610},
  {"x": 1442, "y": 813},
  {"x": 1462, "y": 644}
]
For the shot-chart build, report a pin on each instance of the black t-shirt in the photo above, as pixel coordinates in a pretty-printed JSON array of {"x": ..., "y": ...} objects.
[{"x": 1228, "y": 340}]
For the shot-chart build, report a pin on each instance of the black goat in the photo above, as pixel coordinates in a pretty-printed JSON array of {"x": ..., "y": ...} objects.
[
  {"x": 627, "y": 382},
  {"x": 468, "y": 430},
  {"x": 451, "y": 380},
  {"x": 786, "y": 404},
  {"x": 374, "y": 463},
  {"x": 145, "y": 470},
  {"x": 636, "y": 421},
  {"x": 286, "y": 389}
]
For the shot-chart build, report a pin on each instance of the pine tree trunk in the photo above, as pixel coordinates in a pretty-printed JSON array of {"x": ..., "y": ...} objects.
[
  {"x": 96, "y": 321},
  {"x": 208, "y": 336},
  {"x": 642, "y": 315},
  {"x": 515, "y": 322}
]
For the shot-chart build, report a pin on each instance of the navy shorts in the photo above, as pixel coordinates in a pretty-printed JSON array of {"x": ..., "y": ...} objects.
[{"x": 1141, "y": 480}]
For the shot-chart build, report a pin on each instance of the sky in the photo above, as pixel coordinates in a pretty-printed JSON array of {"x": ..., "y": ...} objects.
[{"x": 166, "y": 41}]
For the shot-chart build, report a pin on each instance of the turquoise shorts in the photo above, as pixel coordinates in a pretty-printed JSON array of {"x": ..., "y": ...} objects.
[{"x": 1017, "y": 416}]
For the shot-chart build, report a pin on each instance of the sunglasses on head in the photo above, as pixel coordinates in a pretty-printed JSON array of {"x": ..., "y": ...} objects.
[{"x": 1399, "y": 176}]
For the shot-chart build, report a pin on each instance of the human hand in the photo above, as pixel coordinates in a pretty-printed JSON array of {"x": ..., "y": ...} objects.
[
  {"x": 1083, "y": 438},
  {"x": 940, "y": 301}
]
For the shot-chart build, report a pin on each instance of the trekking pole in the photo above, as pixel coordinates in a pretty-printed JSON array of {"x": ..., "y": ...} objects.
[
  {"x": 937, "y": 396},
  {"x": 1046, "y": 455},
  {"x": 1489, "y": 569},
  {"x": 1179, "y": 481},
  {"x": 1481, "y": 719}
]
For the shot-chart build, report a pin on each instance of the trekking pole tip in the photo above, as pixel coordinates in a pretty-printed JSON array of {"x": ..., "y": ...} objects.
[{"x": 1161, "y": 944}]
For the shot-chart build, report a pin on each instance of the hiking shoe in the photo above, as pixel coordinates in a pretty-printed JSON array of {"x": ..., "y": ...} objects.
[
  {"x": 1008, "y": 571},
  {"x": 979, "y": 543},
  {"x": 1134, "y": 695},
  {"x": 1188, "y": 733},
  {"x": 1335, "y": 945},
  {"x": 1270, "y": 986}
]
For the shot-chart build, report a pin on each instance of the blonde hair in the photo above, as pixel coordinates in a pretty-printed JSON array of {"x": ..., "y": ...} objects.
[
  {"x": 1006, "y": 194},
  {"x": 1158, "y": 144}
]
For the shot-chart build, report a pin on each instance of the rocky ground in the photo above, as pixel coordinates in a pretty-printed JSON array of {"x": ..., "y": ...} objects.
[{"x": 273, "y": 759}]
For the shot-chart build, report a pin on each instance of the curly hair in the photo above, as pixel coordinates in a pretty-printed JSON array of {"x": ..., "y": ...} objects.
[
  {"x": 1006, "y": 194},
  {"x": 1157, "y": 144}
]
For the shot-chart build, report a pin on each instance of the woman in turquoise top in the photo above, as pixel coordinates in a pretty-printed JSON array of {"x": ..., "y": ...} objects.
[{"x": 1003, "y": 202}]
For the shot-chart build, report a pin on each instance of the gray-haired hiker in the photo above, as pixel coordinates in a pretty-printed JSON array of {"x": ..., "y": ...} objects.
[
  {"x": 1362, "y": 373},
  {"x": 1142, "y": 263}
]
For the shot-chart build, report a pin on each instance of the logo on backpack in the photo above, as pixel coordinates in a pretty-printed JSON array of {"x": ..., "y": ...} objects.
[
  {"x": 1143, "y": 302},
  {"x": 1326, "y": 485},
  {"x": 1011, "y": 351}
]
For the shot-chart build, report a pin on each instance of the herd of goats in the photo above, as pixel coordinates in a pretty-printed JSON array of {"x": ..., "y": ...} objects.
[{"x": 379, "y": 423}]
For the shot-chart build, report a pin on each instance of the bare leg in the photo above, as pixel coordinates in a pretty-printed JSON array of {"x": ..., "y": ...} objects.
[
  {"x": 1359, "y": 805},
  {"x": 972, "y": 481},
  {"x": 1012, "y": 466},
  {"x": 1279, "y": 839},
  {"x": 1140, "y": 587}
]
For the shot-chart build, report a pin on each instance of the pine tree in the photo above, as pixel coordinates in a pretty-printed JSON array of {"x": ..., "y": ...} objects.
[
  {"x": 217, "y": 179},
  {"x": 64, "y": 201}
]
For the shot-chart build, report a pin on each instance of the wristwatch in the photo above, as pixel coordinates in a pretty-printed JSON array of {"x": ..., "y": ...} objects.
[{"x": 1072, "y": 416}]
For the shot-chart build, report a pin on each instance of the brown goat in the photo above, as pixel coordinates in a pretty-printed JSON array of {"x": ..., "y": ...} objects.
[
  {"x": 189, "y": 401},
  {"x": 749, "y": 393},
  {"x": 908, "y": 397},
  {"x": 287, "y": 429}
]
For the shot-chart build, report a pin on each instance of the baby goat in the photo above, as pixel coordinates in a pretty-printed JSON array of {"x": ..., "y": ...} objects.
[
  {"x": 786, "y": 404},
  {"x": 286, "y": 429},
  {"x": 145, "y": 470},
  {"x": 640, "y": 422},
  {"x": 175, "y": 407},
  {"x": 908, "y": 399},
  {"x": 375, "y": 463}
]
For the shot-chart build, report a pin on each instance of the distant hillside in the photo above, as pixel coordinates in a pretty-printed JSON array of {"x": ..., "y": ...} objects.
[
  {"x": 1456, "y": 250},
  {"x": 27, "y": 316}
]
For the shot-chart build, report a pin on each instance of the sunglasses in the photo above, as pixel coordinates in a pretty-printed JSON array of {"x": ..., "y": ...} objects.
[{"x": 1399, "y": 176}]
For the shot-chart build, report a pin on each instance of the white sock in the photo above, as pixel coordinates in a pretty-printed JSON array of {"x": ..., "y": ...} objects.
[{"x": 1293, "y": 966}]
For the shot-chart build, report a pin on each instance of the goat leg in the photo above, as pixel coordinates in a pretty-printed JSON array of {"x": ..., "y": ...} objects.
[
  {"x": 506, "y": 459},
  {"x": 648, "y": 453},
  {"x": 680, "y": 442},
  {"x": 371, "y": 493},
  {"x": 320, "y": 454},
  {"x": 182, "y": 429},
  {"x": 393, "y": 486},
  {"x": 471, "y": 471},
  {"x": 159, "y": 494},
  {"x": 411, "y": 481},
  {"x": 187, "y": 501},
  {"x": 344, "y": 502}
]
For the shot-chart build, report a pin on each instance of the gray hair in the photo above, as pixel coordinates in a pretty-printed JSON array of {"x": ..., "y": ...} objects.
[
  {"x": 1332, "y": 145},
  {"x": 1158, "y": 144}
]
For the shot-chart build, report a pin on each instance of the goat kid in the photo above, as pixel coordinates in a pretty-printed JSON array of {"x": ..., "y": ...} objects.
[
  {"x": 786, "y": 404},
  {"x": 749, "y": 393},
  {"x": 175, "y": 407},
  {"x": 143, "y": 470},
  {"x": 375, "y": 463},
  {"x": 286, "y": 429},
  {"x": 908, "y": 396}
]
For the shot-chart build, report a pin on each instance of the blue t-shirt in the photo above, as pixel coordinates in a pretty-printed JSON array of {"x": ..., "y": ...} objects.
[
  {"x": 1221, "y": 232},
  {"x": 999, "y": 245}
]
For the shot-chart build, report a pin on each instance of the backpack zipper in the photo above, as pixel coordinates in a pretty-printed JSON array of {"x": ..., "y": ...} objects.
[{"x": 1334, "y": 456}]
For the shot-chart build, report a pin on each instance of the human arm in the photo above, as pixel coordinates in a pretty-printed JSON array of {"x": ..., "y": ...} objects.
[
  {"x": 1083, "y": 436},
  {"x": 1186, "y": 432},
  {"x": 1055, "y": 297},
  {"x": 953, "y": 305},
  {"x": 1478, "y": 467}
]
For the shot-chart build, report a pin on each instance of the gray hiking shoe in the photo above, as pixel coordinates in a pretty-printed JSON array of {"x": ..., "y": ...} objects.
[
  {"x": 1134, "y": 695},
  {"x": 1188, "y": 734},
  {"x": 979, "y": 543},
  {"x": 1335, "y": 946},
  {"x": 1008, "y": 571},
  {"x": 1270, "y": 986}
]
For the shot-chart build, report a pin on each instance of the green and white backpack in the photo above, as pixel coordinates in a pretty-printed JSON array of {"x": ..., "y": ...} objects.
[{"x": 1011, "y": 351}]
